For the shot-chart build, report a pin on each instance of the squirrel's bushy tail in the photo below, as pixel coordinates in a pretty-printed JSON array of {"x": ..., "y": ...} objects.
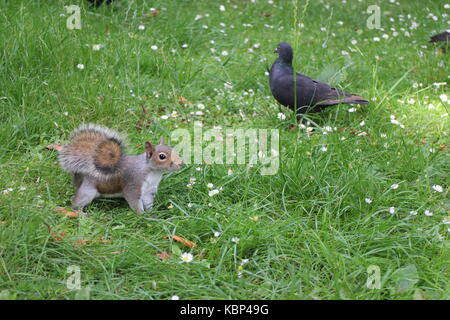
[{"x": 93, "y": 150}]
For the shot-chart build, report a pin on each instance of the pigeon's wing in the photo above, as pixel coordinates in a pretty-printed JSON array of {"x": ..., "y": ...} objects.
[
  {"x": 444, "y": 36},
  {"x": 312, "y": 92}
]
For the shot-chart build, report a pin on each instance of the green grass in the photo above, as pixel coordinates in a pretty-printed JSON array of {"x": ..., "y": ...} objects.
[{"x": 314, "y": 236}]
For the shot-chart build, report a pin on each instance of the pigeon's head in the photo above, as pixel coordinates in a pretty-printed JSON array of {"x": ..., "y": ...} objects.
[{"x": 284, "y": 51}]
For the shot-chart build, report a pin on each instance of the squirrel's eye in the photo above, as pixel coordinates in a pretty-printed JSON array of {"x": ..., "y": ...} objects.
[{"x": 162, "y": 156}]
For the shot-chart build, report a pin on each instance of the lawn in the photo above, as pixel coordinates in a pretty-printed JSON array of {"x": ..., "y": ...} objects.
[{"x": 362, "y": 188}]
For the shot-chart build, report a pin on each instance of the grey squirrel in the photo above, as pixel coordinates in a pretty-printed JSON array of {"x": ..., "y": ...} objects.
[{"x": 96, "y": 156}]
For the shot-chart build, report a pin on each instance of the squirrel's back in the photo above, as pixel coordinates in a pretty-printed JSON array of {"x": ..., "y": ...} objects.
[{"x": 93, "y": 150}]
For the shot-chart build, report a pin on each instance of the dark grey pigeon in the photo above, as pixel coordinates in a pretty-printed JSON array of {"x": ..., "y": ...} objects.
[
  {"x": 308, "y": 95},
  {"x": 441, "y": 37},
  {"x": 98, "y": 3}
]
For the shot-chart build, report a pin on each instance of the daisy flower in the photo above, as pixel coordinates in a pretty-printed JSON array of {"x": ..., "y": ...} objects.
[
  {"x": 437, "y": 188},
  {"x": 187, "y": 257}
]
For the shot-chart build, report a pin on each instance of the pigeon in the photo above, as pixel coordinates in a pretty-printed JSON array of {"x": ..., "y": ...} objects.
[
  {"x": 306, "y": 95},
  {"x": 441, "y": 37},
  {"x": 98, "y": 3}
]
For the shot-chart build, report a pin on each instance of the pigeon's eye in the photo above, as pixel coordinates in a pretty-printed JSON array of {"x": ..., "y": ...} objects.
[{"x": 162, "y": 156}]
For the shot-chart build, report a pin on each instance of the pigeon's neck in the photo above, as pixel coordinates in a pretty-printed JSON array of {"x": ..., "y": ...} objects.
[{"x": 283, "y": 64}]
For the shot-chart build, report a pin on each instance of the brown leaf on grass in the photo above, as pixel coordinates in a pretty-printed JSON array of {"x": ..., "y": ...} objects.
[
  {"x": 182, "y": 240},
  {"x": 153, "y": 13},
  {"x": 265, "y": 14},
  {"x": 66, "y": 212},
  {"x": 292, "y": 127},
  {"x": 164, "y": 255},
  {"x": 184, "y": 101},
  {"x": 55, "y": 236},
  {"x": 54, "y": 146},
  {"x": 442, "y": 147},
  {"x": 82, "y": 242},
  {"x": 58, "y": 236}
]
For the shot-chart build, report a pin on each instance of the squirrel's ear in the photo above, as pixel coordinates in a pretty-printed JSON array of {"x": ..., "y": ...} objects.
[
  {"x": 161, "y": 140},
  {"x": 149, "y": 148}
]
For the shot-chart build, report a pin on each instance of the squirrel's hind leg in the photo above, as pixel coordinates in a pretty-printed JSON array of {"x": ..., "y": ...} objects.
[{"x": 86, "y": 192}]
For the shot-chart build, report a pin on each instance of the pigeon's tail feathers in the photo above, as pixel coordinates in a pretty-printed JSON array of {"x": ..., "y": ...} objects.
[
  {"x": 354, "y": 99},
  {"x": 444, "y": 36},
  {"x": 349, "y": 99}
]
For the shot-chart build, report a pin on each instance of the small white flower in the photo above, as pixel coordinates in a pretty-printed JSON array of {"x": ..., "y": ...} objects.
[
  {"x": 222, "y": 8},
  {"x": 428, "y": 213},
  {"x": 354, "y": 42},
  {"x": 323, "y": 149},
  {"x": 154, "y": 47},
  {"x": 224, "y": 53},
  {"x": 368, "y": 200},
  {"x": 392, "y": 210},
  {"x": 413, "y": 212},
  {"x": 437, "y": 188},
  {"x": 141, "y": 27},
  {"x": 184, "y": 46},
  {"x": 210, "y": 185},
  {"x": 362, "y": 123},
  {"x": 7, "y": 190},
  {"x": 175, "y": 298},
  {"x": 443, "y": 97},
  {"x": 213, "y": 192},
  {"x": 96, "y": 47},
  {"x": 80, "y": 66},
  {"x": 352, "y": 110},
  {"x": 187, "y": 257},
  {"x": 217, "y": 234},
  {"x": 165, "y": 117},
  {"x": 281, "y": 116},
  {"x": 201, "y": 106},
  {"x": 394, "y": 186},
  {"x": 376, "y": 39},
  {"x": 235, "y": 239},
  {"x": 230, "y": 172}
]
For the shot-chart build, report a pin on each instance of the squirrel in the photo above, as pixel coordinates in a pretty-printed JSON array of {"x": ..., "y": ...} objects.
[{"x": 96, "y": 158}]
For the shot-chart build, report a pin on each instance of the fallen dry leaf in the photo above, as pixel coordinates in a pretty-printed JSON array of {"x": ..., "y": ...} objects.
[
  {"x": 164, "y": 255},
  {"x": 154, "y": 13},
  {"x": 183, "y": 100},
  {"x": 55, "y": 236},
  {"x": 58, "y": 237},
  {"x": 182, "y": 240},
  {"x": 66, "y": 212},
  {"x": 54, "y": 146}
]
